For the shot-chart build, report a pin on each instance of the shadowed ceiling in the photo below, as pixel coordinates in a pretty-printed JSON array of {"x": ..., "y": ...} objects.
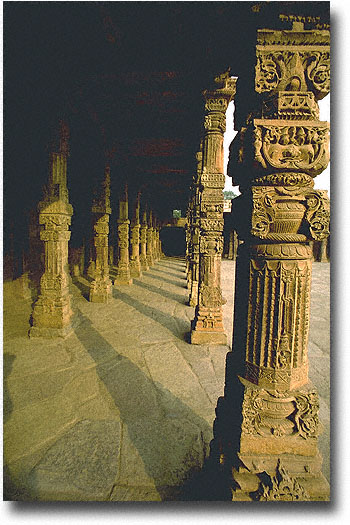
[{"x": 127, "y": 77}]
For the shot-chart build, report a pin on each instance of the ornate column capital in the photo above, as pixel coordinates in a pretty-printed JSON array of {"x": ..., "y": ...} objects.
[{"x": 293, "y": 60}]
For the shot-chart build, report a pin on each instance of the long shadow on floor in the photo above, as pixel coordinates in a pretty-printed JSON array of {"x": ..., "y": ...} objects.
[
  {"x": 171, "y": 268},
  {"x": 164, "y": 279},
  {"x": 170, "y": 438},
  {"x": 179, "y": 327},
  {"x": 169, "y": 295}
]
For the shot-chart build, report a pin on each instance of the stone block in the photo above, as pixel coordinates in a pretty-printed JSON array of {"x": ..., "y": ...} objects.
[{"x": 82, "y": 465}]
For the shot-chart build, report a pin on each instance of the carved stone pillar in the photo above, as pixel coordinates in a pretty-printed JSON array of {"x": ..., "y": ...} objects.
[
  {"x": 101, "y": 286},
  {"x": 207, "y": 326},
  {"x": 188, "y": 240},
  {"x": 194, "y": 266},
  {"x": 143, "y": 242},
  {"x": 323, "y": 251},
  {"x": 275, "y": 159},
  {"x": 52, "y": 313},
  {"x": 154, "y": 243},
  {"x": 159, "y": 244},
  {"x": 135, "y": 264},
  {"x": 150, "y": 260},
  {"x": 231, "y": 245},
  {"x": 123, "y": 265}
]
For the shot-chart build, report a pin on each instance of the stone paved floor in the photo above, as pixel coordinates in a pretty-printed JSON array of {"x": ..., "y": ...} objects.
[{"x": 123, "y": 408}]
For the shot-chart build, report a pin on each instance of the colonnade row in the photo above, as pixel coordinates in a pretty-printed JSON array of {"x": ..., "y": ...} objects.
[
  {"x": 267, "y": 423},
  {"x": 138, "y": 247}
]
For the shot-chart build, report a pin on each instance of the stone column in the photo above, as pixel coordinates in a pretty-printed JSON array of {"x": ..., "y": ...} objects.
[
  {"x": 143, "y": 242},
  {"x": 270, "y": 409},
  {"x": 188, "y": 242},
  {"x": 194, "y": 269},
  {"x": 52, "y": 313},
  {"x": 159, "y": 244},
  {"x": 154, "y": 243},
  {"x": 123, "y": 264},
  {"x": 207, "y": 326},
  {"x": 231, "y": 245},
  {"x": 135, "y": 264},
  {"x": 150, "y": 260},
  {"x": 323, "y": 251},
  {"x": 101, "y": 286}
]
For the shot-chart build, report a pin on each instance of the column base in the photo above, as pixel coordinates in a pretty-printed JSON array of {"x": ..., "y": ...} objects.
[
  {"x": 283, "y": 478},
  {"x": 144, "y": 264},
  {"x": 100, "y": 291},
  {"x": 268, "y": 442},
  {"x": 203, "y": 337},
  {"x": 207, "y": 327},
  {"x": 135, "y": 270},
  {"x": 50, "y": 333},
  {"x": 150, "y": 261},
  {"x": 121, "y": 280}
]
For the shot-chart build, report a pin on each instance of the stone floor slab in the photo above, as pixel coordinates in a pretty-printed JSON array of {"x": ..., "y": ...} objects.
[{"x": 123, "y": 409}]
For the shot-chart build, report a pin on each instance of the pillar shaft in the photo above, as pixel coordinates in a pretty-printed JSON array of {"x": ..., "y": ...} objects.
[
  {"x": 275, "y": 158},
  {"x": 100, "y": 286},
  {"x": 154, "y": 241},
  {"x": 123, "y": 264},
  {"x": 52, "y": 313},
  {"x": 195, "y": 237},
  {"x": 135, "y": 263},
  {"x": 149, "y": 250},
  {"x": 143, "y": 242},
  {"x": 207, "y": 326}
]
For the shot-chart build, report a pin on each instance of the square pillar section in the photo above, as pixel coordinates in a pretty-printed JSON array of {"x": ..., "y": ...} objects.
[{"x": 207, "y": 326}]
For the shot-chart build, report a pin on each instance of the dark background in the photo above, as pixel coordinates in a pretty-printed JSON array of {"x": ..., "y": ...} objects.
[{"x": 127, "y": 77}]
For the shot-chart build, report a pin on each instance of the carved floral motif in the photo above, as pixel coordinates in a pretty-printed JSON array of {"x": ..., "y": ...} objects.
[
  {"x": 282, "y": 487},
  {"x": 285, "y": 69},
  {"x": 306, "y": 415},
  {"x": 318, "y": 214}
]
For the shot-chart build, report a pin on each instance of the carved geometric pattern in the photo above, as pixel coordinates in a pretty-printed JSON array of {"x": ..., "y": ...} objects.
[{"x": 291, "y": 105}]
